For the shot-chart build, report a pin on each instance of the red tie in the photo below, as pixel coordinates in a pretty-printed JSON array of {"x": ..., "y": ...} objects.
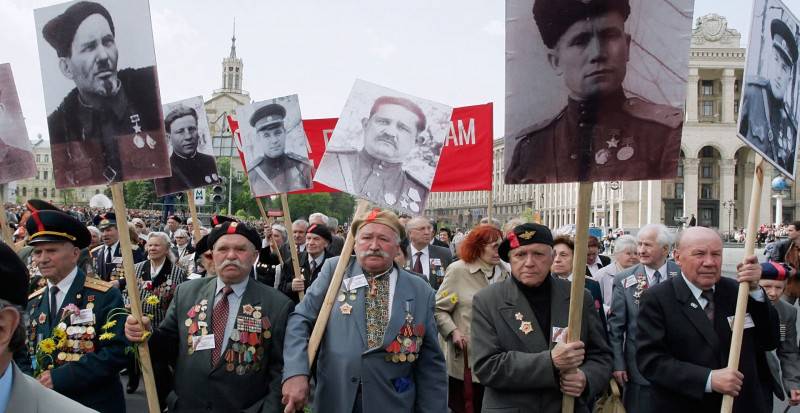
[
  {"x": 418, "y": 264},
  {"x": 220, "y": 317}
]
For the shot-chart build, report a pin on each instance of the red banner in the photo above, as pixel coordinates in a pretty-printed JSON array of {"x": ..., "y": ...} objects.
[
  {"x": 234, "y": 126},
  {"x": 466, "y": 160},
  {"x": 318, "y": 132}
]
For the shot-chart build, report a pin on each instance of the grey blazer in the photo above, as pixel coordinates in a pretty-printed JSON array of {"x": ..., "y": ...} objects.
[
  {"x": 785, "y": 363},
  {"x": 28, "y": 396},
  {"x": 622, "y": 320},
  {"x": 344, "y": 362}
]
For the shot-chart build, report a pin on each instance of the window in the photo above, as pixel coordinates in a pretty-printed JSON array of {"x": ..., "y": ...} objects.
[
  {"x": 678, "y": 212},
  {"x": 680, "y": 169},
  {"x": 38, "y": 158},
  {"x": 707, "y": 87},
  {"x": 679, "y": 190},
  {"x": 706, "y": 191},
  {"x": 46, "y": 158},
  {"x": 35, "y": 192},
  {"x": 707, "y": 152},
  {"x": 24, "y": 191},
  {"x": 708, "y": 108},
  {"x": 706, "y": 214},
  {"x": 37, "y": 175},
  {"x": 45, "y": 175},
  {"x": 707, "y": 172}
]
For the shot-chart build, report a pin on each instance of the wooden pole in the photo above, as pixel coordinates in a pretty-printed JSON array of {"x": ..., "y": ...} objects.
[
  {"x": 578, "y": 275},
  {"x": 133, "y": 295},
  {"x": 193, "y": 212},
  {"x": 490, "y": 207},
  {"x": 333, "y": 288},
  {"x": 292, "y": 245},
  {"x": 273, "y": 246},
  {"x": 744, "y": 289},
  {"x": 8, "y": 236}
]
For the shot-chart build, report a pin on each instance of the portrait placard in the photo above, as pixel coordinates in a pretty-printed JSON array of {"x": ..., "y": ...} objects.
[
  {"x": 101, "y": 92},
  {"x": 385, "y": 147},
  {"x": 274, "y": 146},
  {"x": 16, "y": 156},
  {"x": 594, "y": 89},
  {"x": 191, "y": 157},
  {"x": 770, "y": 112}
]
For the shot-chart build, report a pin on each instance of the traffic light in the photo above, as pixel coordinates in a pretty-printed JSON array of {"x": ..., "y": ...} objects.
[{"x": 217, "y": 194}]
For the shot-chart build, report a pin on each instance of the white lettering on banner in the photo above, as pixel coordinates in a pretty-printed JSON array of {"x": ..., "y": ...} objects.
[{"x": 464, "y": 137}]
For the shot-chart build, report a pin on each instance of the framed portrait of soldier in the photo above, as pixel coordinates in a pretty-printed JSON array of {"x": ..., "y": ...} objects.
[
  {"x": 191, "y": 158},
  {"x": 101, "y": 92},
  {"x": 769, "y": 112},
  {"x": 595, "y": 89},
  {"x": 275, "y": 146},
  {"x": 16, "y": 156},
  {"x": 385, "y": 147}
]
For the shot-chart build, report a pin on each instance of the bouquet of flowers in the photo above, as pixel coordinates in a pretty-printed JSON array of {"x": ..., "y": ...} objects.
[{"x": 44, "y": 357}]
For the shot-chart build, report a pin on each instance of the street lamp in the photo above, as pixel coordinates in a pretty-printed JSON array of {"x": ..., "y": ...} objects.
[{"x": 730, "y": 205}]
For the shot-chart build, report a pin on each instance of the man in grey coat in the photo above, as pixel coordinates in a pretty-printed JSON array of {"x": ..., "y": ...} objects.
[
  {"x": 380, "y": 351},
  {"x": 654, "y": 242},
  {"x": 784, "y": 364},
  {"x": 518, "y": 334}
]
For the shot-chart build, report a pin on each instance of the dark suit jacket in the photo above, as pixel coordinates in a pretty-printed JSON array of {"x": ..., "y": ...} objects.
[
  {"x": 784, "y": 365},
  {"x": 287, "y": 274},
  {"x": 104, "y": 269},
  {"x": 434, "y": 252},
  {"x": 679, "y": 346}
]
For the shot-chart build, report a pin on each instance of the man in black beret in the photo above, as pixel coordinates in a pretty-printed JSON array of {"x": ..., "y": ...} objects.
[
  {"x": 318, "y": 237},
  {"x": 767, "y": 121},
  {"x": 72, "y": 310},
  {"x": 223, "y": 334},
  {"x": 108, "y": 128},
  {"x": 602, "y": 134},
  {"x": 518, "y": 328},
  {"x": 274, "y": 169}
]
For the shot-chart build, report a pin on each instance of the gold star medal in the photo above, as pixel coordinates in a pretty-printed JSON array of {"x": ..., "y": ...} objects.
[
  {"x": 526, "y": 327},
  {"x": 346, "y": 308}
]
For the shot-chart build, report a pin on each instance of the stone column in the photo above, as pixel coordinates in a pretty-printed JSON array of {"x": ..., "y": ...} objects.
[
  {"x": 728, "y": 79},
  {"x": 727, "y": 168},
  {"x": 612, "y": 209},
  {"x": 691, "y": 94},
  {"x": 690, "y": 186},
  {"x": 654, "y": 202},
  {"x": 778, "y": 208}
]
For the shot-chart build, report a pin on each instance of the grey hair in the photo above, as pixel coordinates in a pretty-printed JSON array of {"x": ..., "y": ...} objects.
[
  {"x": 17, "y": 342},
  {"x": 280, "y": 228},
  {"x": 181, "y": 232},
  {"x": 300, "y": 222},
  {"x": 165, "y": 238},
  {"x": 416, "y": 222},
  {"x": 93, "y": 229},
  {"x": 332, "y": 224},
  {"x": 511, "y": 224},
  {"x": 625, "y": 243},
  {"x": 319, "y": 215},
  {"x": 396, "y": 235},
  {"x": 663, "y": 237}
]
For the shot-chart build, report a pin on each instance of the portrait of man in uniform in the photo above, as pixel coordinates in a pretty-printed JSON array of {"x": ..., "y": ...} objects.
[
  {"x": 393, "y": 131},
  {"x": 16, "y": 156},
  {"x": 275, "y": 146},
  {"x": 104, "y": 121},
  {"x": 768, "y": 120},
  {"x": 192, "y": 161},
  {"x": 609, "y": 128}
]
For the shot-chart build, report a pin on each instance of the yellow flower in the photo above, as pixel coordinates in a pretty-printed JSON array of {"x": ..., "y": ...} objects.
[
  {"x": 60, "y": 337},
  {"x": 109, "y": 324},
  {"x": 443, "y": 294},
  {"x": 454, "y": 298},
  {"x": 47, "y": 346},
  {"x": 107, "y": 336},
  {"x": 152, "y": 300}
]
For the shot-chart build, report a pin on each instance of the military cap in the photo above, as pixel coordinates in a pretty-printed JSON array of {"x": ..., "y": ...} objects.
[
  {"x": 13, "y": 277},
  {"x": 39, "y": 205},
  {"x": 774, "y": 271},
  {"x": 524, "y": 234},
  {"x": 56, "y": 226},
  {"x": 230, "y": 228},
  {"x": 221, "y": 219},
  {"x": 406, "y": 103},
  {"x": 103, "y": 221},
  {"x": 272, "y": 113},
  {"x": 175, "y": 218},
  {"x": 554, "y": 17},
  {"x": 60, "y": 31},
  {"x": 783, "y": 40},
  {"x": 379, "y": 216},
  {"x": 320, "y": 230}
]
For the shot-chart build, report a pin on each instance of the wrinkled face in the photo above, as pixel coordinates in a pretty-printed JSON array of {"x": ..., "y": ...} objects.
[
  {"x": 390, "y": 133},
  {"x": 181, "y": 240},
  {"x": 93, "y": 61},
  {"x": 156, "y": 249},
  {"x": 421, "y": 233},
  {"x": 234, "y": 257},
  {"x": 592, "y": 56},
  {"x": 627, "y": 258},
  {"x": 773, "y": 288},
  {"x": 591, "y": 253},
  {"x": 183, "y": 136},
  {"x": 779, "y": 73},
  {"x": 172, "y": 224},
  {"x": 56, "y": 259},
  {"x": 110, "y": 235},
  {"x": 562, "y": 260},
  {"x": 651, "y": 253},
  {"x": 299, "y": 233},
  {"x": 272, "y": 138},
  {"x": 530, "y": 264},
  {"x": 315, "y": 244},
  {"x": 95, "y": 238},
  {"x": 376, "y": 246},
  {"x": 277, "y": 236},
  {"x": 489, "y": 253},
  {"x": 700, "y": 259}
]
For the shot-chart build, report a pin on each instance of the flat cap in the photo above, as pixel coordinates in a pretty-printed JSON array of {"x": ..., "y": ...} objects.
[
  {"x": 103, "y": 221},
  {"x": 784, "y": 40},
  {"x": 525, "y": 234},
  {"x": 554, "y": 17},
  {"x": 231, "y": 228},
  {"x": 13, "y": 277},
  {"x": 271, "y": 114},
  {"x": 320, "y": 230},
  {"x": 379, "y": 216},
  {"x": 60, "y": 31},
  {"x": 56, "y": 226}
]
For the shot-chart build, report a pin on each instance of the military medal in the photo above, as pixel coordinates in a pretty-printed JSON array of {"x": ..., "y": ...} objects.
[
  {"x": 346, "y": 308},
  {"x": 526, "y": 327},
  {"x": 406, "y": 346},
  {"x": 341, "y": 297},
  {"x": 602, "y": 156},
  {"x": 389, "y": 198},
  {"x": 518, "y": 316},
  {"x": 625, "y": 153}
]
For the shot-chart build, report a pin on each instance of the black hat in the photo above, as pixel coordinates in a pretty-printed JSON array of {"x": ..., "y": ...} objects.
[
  {"x": 176, "y": 218},
  {"x": 229, "y": 228},
  {"x": 13, "y": 277},
  {"x": 783, "y": 40},
  {"x": 322, "y": 231},
  {"x": 554, "y": 17},
  {"x": 56, "y": 226},
  {"x": 221, "y": 219},
  {"x": 274, "y": 114},
  {"x": 774, "y": 271},
  {"x": 201, "y": 246},
  {"x": 525, "y": 234},
  {"x": 103, "y": 221},
  {"x": 39, "y": 205},
  {"x": 60, "y": 31}
]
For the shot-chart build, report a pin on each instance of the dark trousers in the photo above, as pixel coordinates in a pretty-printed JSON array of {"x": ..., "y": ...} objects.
[
  {"x": 456, "y": 401},
  {"x": 636, "y": 397}
]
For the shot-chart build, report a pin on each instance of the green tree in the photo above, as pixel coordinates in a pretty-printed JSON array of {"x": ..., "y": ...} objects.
[{"x": 139, "y": 194}]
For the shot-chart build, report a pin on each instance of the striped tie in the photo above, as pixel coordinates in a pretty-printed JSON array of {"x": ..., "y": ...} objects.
[{"x": 220, "y": 320}]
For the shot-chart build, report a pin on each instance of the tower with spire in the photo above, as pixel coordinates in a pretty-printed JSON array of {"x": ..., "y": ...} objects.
[
  {"x": 232, "y": 68},
  {"x": 225, "y": 100}
]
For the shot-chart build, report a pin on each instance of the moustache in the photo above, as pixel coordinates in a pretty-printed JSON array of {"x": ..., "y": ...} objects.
[
  {"x": 387, "y": 138},
  {"x": 377, "y": 253},
  {"x": 235, "y": 263}
]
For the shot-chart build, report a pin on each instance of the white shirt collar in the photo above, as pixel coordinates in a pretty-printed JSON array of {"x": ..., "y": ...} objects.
[
  {"x": 238, "y": 288},
  {"x": 63, "y": 286},
  {"x": 696, "y": 291},
  {"x": 155, "y": 270},
  {"x": 113, "y": 249},
  {"x": 414, "y": 251},
  {"x": 651, "y": 273}
]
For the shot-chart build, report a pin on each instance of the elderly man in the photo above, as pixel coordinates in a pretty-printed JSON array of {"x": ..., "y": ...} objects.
[
  {"x": 108, "y": 128},
  {"x": 601, "y": 134},
  {"x": 337, "y": 242},
  {"x": 317, "y": 239},
  {"x": 71, "y": 309},
  {"x": 518, "y": 329},
  {"x": 182, "y": 247},
  {"x": 299, "y": 230},
  {"x": 653, "y": 246},
  {"x": 108, "y": 256},
  {"x": 274, "y": 169},
  {"x": 223, "y": 334},
  {"x": 381, "y": 351},
  {"x": 173, "y": 223},
  {"x": 684, "y": 333},
  {"x": 190, "y": 168},
  {"x": 423, "y": 258}
]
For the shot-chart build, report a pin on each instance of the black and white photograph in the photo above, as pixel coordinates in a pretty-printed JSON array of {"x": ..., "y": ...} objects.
[
  {"x": 595, "y": 90},
  {"x": 101, "y": 92},
  {"x": 385, "y": 147},
  {"x": 275, "y": 146},
  {"x": 191, "y": 158},
  {"x": 16, "y": 156},
  {"x": 769, "y": 110}
]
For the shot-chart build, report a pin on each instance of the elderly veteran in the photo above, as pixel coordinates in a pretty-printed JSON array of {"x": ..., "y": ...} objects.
[
  {"x": 318, "y": 237},
  {"x": 518, "y": 328},
  {"x": 381, "y": 351},
  {"x": 224, "y": 334}
]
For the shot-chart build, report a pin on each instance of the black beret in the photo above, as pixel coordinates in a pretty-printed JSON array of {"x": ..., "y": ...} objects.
[
  {"x": 774, "y": 271},
  {"x": 201, "y": 247},
  {"x": 176, "y": 218},
  {"x": 39, "y": 205},
  {"x": 230, "y": 228},
  {"x": 783, "y": 40},
  {"x": 273, "y": 112},
  {"x": 554, "y": 17},
  {"x": 60, "y": 31},
  {"x": 56, "y": 226},
  {"x": 221, "y": 219},
  {"x": 13, "y": 277},
  {"x": 103, "y": 221},
  {"x": 322, "y": 231},
  {"x": 525, "y": 234}
]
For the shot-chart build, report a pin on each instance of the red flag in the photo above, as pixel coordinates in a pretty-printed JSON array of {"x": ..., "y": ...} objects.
[
  {"x": 318, "y": 132},
  {"x": 466, "y": 160},
  {"x": 237, "y": 139}
]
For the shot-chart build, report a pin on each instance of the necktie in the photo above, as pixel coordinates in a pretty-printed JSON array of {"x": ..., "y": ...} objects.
[
  {"x": 418, "y": 263},
  {"x": 220, "y": 317},
  {"x": 108, "y": 255},
  {"x": 709, "y": 309},
  {"x": 313, "y": 265},
  {"x": 657, "y": 276},
  {"x": 53, "y": 305}
]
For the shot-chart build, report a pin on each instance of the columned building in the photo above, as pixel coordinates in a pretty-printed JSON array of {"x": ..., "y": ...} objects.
[{"x": 715, "y": 172}]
